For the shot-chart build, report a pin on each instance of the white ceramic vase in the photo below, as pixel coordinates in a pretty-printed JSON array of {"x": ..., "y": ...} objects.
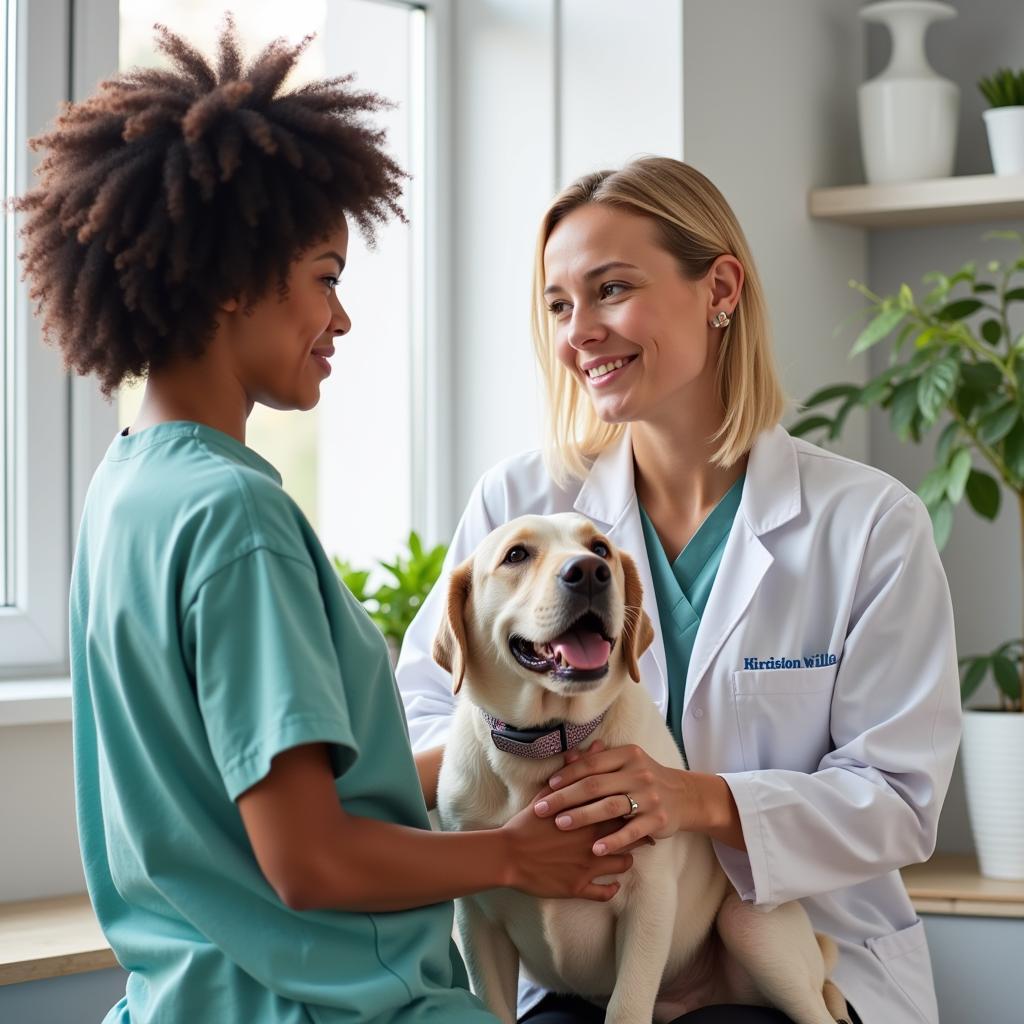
[
  {"x": 1005, "y": 127},
  {"x": 992, "y": 754},
  {"x": 908, "y": 113}
]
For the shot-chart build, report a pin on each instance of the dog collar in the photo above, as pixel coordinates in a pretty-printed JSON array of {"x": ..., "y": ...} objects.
[{"x": 539, "y": 743}]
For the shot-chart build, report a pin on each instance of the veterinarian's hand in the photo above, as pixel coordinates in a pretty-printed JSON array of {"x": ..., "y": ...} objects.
[
  {"x": 555, "y": 863},
  {"x": 590, "y": 789}
]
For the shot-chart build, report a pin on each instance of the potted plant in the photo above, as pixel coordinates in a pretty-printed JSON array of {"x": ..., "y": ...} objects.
[
  {"x": 1004, "y": 122},
  {"x": 954, "y": 359},
  {"x": 394, "y": 603}
]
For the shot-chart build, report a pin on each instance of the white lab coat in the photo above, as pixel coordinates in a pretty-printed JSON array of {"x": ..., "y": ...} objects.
[{"x": 838, "y": 769}]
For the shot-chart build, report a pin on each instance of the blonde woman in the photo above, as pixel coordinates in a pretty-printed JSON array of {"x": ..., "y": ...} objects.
[{"x": 804, "y": 656}]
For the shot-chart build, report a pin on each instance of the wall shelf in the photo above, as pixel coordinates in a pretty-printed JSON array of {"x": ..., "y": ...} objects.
[
  {"x": 959, "y": 200},
  {"x": 951, "y": 884},
  {"x": 49, "y": 939}
]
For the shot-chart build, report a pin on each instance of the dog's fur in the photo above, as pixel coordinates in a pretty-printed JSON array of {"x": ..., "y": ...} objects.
[{"x": 676, "y": 936}]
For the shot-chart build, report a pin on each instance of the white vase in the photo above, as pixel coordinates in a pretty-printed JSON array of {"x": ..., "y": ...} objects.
[
  {"x": 992, "y": 754},
  {"x": 1005, "y": 127},
  {"x": 908, "y": 113}
]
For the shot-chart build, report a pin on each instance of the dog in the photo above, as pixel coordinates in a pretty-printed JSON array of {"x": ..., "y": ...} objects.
[{"x": 544, "y": 629}]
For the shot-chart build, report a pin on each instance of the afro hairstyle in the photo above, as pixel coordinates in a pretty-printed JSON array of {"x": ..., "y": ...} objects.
[{"x": 169, "y": 191}]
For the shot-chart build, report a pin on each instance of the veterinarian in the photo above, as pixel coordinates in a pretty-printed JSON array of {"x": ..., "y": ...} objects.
[
  {"x": 248, "y": 803},
  {"x": 804, "y": 657}
]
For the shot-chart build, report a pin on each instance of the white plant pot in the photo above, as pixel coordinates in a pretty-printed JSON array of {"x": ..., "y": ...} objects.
[
  {"x": 1005, "y": 127},
  {"x": 993, "y": 761},
  {"x": 908, "y": 113}
]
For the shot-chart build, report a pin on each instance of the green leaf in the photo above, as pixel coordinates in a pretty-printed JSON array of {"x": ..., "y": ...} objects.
[
  {"x": 838, "y": 423},
  {"x": 959, "y": 470},
  {"x": 945, "y": 442},
  {"x": 906, "y": 298},
  {"x": 992, "y": 331},
  {"x": 982, "y": 377},
  {"x": 876, "y": 330},
  {"x": 984, "y": 286},
  {"x": 995, "y": 425},
  {"x": 1014, "y": 295},
  {"x": 925, "y": 337},
  {"x": 983, "y": 493},
  {"x": 935, "y": 386},
  {"x": 808, "y": 424},
  {"x": 933, "y": 486},
  {"x": 905, "y": 332},
  {"x": 965, "y": 273},
  {"x": 973, "y": 677},
  {"x": 875, "y": 389},
  {"x": 1013, "y": 450},
  {"x": 942, "y": 522},
  {"x": 903, "y": 407},
  {"x": 959, "y": 309},
  {"x": 831, "y": 392},
  {"x": 1005, "y": 235},
  {"x": 1007, "y": 677}
]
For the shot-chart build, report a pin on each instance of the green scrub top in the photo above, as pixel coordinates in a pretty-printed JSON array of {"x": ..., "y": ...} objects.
[
  {"x": 209, "y": 633},
  {"x": 681, "y": 589}
]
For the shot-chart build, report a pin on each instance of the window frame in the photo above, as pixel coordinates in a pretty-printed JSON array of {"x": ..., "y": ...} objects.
[{"x": 33, "y": 628}]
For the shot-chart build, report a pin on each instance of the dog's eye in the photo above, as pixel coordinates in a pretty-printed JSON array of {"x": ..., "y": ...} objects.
[
  {"x": 600, "y": 548},
  {"x": 516, "y": 554}
]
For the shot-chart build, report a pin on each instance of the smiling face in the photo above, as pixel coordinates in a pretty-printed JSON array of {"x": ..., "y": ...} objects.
[
  {"x": 629, "y": 327},
  {"x": 280, "y": 347},
  {"x": 546, "y": 603}
]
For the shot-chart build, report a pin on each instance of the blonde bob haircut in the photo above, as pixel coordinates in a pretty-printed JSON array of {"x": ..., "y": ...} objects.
[{"x": 696, "y": 226}]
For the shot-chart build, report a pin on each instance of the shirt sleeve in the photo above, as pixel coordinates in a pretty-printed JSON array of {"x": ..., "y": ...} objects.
[
  {"x": 425, "y": 687},
  {"x": 267, "y": 679},
  {"x": 873, "y": 804}
]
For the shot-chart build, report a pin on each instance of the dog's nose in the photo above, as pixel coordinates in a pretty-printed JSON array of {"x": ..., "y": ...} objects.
[{"x": 585, "y": 574}]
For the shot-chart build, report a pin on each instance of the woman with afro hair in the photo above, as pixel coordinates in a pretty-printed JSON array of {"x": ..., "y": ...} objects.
[{"x": 253, "y": 823}]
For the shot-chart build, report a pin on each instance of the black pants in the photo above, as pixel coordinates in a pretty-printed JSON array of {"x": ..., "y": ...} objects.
[{"x": 554, "y": 1009}]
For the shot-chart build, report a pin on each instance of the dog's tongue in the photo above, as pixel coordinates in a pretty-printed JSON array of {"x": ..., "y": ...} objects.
[{"x": 582, "y": 649}]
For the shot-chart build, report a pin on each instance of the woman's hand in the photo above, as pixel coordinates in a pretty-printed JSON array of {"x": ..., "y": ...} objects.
[
  {"x": 592, "y": 788},
  {"x": 556, "y": 863}
]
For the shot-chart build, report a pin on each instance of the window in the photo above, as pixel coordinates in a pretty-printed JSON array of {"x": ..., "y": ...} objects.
[
  {"x": 350, "y": 462},
  {"x": 34, "y": 465}
]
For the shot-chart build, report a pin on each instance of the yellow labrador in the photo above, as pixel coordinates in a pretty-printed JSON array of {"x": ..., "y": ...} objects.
[{"x": 543, "y": 633}]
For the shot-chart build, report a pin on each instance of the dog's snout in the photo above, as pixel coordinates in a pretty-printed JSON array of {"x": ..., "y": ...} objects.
[{"x": 585, "y": 574}]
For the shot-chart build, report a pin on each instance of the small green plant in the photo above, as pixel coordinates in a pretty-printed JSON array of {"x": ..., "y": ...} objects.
[
  {"x": 1003, "y": 89},
  {"x": 393, "y": 604},
  {"x": 974, "y": 374}
]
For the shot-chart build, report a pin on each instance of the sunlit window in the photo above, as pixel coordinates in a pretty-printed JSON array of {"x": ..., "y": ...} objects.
[{"x": 348, "y": 463}]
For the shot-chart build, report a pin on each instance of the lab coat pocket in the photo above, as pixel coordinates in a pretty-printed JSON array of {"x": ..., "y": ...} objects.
[
  {"x": 904, "y": 955},
  {"x": 783, "y": 716}
]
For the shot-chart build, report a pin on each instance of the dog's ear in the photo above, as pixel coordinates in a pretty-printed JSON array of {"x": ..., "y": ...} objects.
[
  {"x": 638, "y": 633},
  {"x": 450, "y": 642}
]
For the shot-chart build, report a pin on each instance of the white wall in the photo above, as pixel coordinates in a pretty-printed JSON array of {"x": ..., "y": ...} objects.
[
  {"x": 758, "y": 96},
  {"x": 38, "y": 839},
  {"x": 770, "y": 112}
]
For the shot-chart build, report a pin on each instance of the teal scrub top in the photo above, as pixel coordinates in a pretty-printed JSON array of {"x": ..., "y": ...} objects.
[
  {"x": 682, "y": 588},
  {"x": 208, "y": 633}
]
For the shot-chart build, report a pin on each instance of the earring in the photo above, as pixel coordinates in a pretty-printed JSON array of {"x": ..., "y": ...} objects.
[{"x": 721, "y": 320}]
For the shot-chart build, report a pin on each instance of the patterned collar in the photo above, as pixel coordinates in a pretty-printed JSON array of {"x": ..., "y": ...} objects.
[{"x": 540, "y": 743}]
